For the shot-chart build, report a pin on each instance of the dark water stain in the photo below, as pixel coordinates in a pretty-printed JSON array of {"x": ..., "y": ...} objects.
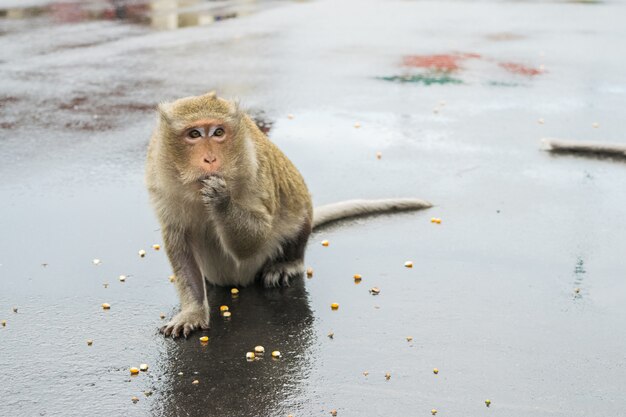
[
  {"x": 426, "y": 79},
  {"x": 520, "y": 69}
]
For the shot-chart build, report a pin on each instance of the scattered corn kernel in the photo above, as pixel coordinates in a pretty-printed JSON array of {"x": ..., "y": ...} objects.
[
  {"x": 156, "y": 246},
  {"x": 577, "y": 290},
  {"x": 409, "y": 338},
  {"x": 122, "y": 278},
  {"x": 333, "y": 413},
  {"x": 334, "y": 306},
  {"x": 290, "y": 116},
  {"x": 435, "y": 371},
  {"x": 223, "y": 308},
  {"x": 357, "y": 125},
  {"x": 276, "y": 354},
  {"x": 234, "y": 291},
  {"x": 142, "y": 253},
  {"x": 365, "y": 373},
  {"x": 106, "y": 306},
  {"x": 325, "y": 243},
  {"x": 331, "y": 335},
  {"x": 162, "y": 316},
  {"x": 408, "y": 264},
  {"x": 438, "y": 221},
  {"x": 97, "y": 261},
  {"x": 105, "y": 285},
  {"x": 204, "y": 339},
  {"x": 134, "y": 371},
  {"x": 143, "y": 367},
  {"x": 250, "y": 356},
  {"x": 375, "y": 290},
  {"x": 357, "y": 278},
  {"x": 596, "y": 124},
  {"x": 433, "y": 411},
  {"x": 195, "y": 382},
  {"x": 487, "y": 403},
  {"x": 172, "y": 278},
  {"x": 134, "y": 400},
  {"x": 226, "y": 314},
  {"x": 540, "y": 121},
  {"x": 4, "y": 323},
  {"x": 259, "y": 350},
  {"x": 379, "y": 155},
  {"x": 89, "y": 342},
  {"x": 309, "y": 272},
  {"x": 387, "y": 376}
]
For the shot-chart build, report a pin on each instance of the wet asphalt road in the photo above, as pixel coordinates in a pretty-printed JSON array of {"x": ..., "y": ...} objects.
[{"x": 450, "y": 93}]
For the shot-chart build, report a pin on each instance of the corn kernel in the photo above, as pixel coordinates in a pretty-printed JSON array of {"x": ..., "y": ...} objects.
[
  {"x": 276, "y": 354},
  {"x": 357, "y": 125},
  {"x": 334, "y": 306},
  {"x": 226, "y": 314},
  {"x": 195, "y": 382},
  {"x": 15, "y": 309},
  {"x": 106, "y": 306},
  {"x": 290, "y": 116},
  {"x": 204, "y": 339},
  {"x": 309, "y": 272},
  {"x": 435, "y": 371},
  {"x": 325, "y": 243},
  {"x": 577, "y": 290},
  {"x": 142, "y": 253},
  {"x": 438, "y": 221},
  {"x": 408, "y": 264},
  {"x": 259, "y": 350},
  {"x": 333, "y": 413},
  {"x": 379, "y": 155},
  {"x": 234, "y": 291},
  {"x": 409, "y": 338},
  {"x": 143, "y": 367},
  {"x": 134, "y": 400},
  {"x": 89, "y": 342},
  {"x": 375, "y": 290},
  {"x": 250, "y": 356},
  {"x": 387, "y": 376},
  {"x": 540, "y": 121},
  {"x": 487, "y": 403},
  {"x": 596, "y": 125},
  {"x": 433, "y": 220},
  {"x": 156, "y": 246},
  {"x": 433, "y": 411},
  {"x": 357, "y": 278},
  {"x": 122, "y": 278},
  {"x": 162, "y": 316},
  {"x": 4, "y": 323},
  {"x": 365, "y": 373},
  {"x": 172, "y": 278},
  {"x": 97, "y": 261},
  {"x": 223, "y": 308},
  {"x": 134, "y": 371}
]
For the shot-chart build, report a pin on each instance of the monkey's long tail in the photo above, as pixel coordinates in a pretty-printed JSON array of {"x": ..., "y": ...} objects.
[
  {"x": 588, "y": 148},
  {"x": 356, "y": 208}
]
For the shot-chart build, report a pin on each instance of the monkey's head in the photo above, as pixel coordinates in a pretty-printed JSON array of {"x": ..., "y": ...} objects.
[{"x": 203, "y": 136}]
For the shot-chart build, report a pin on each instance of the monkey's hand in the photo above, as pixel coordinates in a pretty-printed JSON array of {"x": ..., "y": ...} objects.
[
  {"x": 187, "y": 321},
  {"x": 215, "y": 192}
]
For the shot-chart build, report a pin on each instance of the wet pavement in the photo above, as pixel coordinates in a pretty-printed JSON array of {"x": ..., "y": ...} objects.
[{"x": 516, "y": 297}]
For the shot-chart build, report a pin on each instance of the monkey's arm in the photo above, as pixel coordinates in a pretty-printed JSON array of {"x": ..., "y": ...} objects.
[
  {"x": 243, "y": 229},
  {"x": 194, "y": 312}
]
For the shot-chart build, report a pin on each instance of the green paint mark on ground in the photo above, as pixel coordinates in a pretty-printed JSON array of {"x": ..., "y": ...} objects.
[{"x": 423, "y": 79}]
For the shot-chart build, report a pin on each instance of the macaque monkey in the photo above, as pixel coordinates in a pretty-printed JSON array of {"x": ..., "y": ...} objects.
[{"x": 232, "y": 207}]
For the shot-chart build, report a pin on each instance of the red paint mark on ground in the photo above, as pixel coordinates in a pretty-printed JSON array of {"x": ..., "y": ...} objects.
[
  {"x": 443, "y": 62},
  {"x": 520, "y": 69}
]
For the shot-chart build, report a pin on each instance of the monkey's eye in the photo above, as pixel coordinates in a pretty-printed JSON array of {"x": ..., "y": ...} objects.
[
  {"x": 194, "y": 134},
  {"x": 219, "y": 132}
]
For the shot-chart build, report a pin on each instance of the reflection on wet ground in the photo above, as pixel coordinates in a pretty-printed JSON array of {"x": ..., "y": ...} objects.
[
  {"x": 159, "y": 14},
  {"x": 277, "y": 319}
]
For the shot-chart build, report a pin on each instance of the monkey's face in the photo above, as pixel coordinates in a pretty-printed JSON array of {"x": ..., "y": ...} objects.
[{"x": 205, "y": 141}]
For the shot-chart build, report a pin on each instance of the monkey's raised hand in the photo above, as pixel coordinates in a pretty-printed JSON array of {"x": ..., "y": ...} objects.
[{"x": 215, "y": 192}]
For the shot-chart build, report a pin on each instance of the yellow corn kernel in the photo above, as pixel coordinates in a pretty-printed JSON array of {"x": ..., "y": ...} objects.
[
  {"x": 325, "y": 243},
  {"x": 435, "y": 371},
  {"x": 309, "y": 272},
  {"x": 276, "y": 354},
  {"x": 250, "y": 356},
  {"x": 156, "y": 246},
  {"x": 106, "y": 306},
  {"x": 357, "y": 277},
  {"x": 234, "y": 291},
  {"x": 223, "y": 308},
  {"x": 134, "y": 371},
  {"x": 204, "y": 339},
  {"x": 408, "y": 264},
  {"x": 89, "y": 342},
  {"x": 259, "y": 350},
  {"x": 334, "y": 306}
]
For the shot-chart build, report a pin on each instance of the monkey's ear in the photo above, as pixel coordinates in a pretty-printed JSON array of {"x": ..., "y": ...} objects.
[
  {"x": 165, "y": 111},
  {"x": 211, "y": 94}
]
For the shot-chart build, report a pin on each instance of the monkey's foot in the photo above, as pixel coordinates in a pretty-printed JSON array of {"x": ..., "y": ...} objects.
[
  {"x": 186, "y": 322},
  {"x": 280, "y": 273}
]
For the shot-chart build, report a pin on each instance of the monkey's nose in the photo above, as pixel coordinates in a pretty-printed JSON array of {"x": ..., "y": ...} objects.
[{"x": 209, "y": 160}]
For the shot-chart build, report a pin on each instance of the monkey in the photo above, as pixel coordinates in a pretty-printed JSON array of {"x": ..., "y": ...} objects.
[
  {"x": 613, "y": 150},
  {"x": 233, "y": 208}
]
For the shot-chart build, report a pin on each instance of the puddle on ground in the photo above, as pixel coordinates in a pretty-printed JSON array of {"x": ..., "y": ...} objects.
[
  {"x": 450, "y": 68},
  {"x": 158, "y": 14}
]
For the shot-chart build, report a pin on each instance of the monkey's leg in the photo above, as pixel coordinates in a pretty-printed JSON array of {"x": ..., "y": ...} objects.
[
  {"x": 194, "y": 311},
  {"x": 289, "y": 263},
  {"x": 243, "y": 230}
]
